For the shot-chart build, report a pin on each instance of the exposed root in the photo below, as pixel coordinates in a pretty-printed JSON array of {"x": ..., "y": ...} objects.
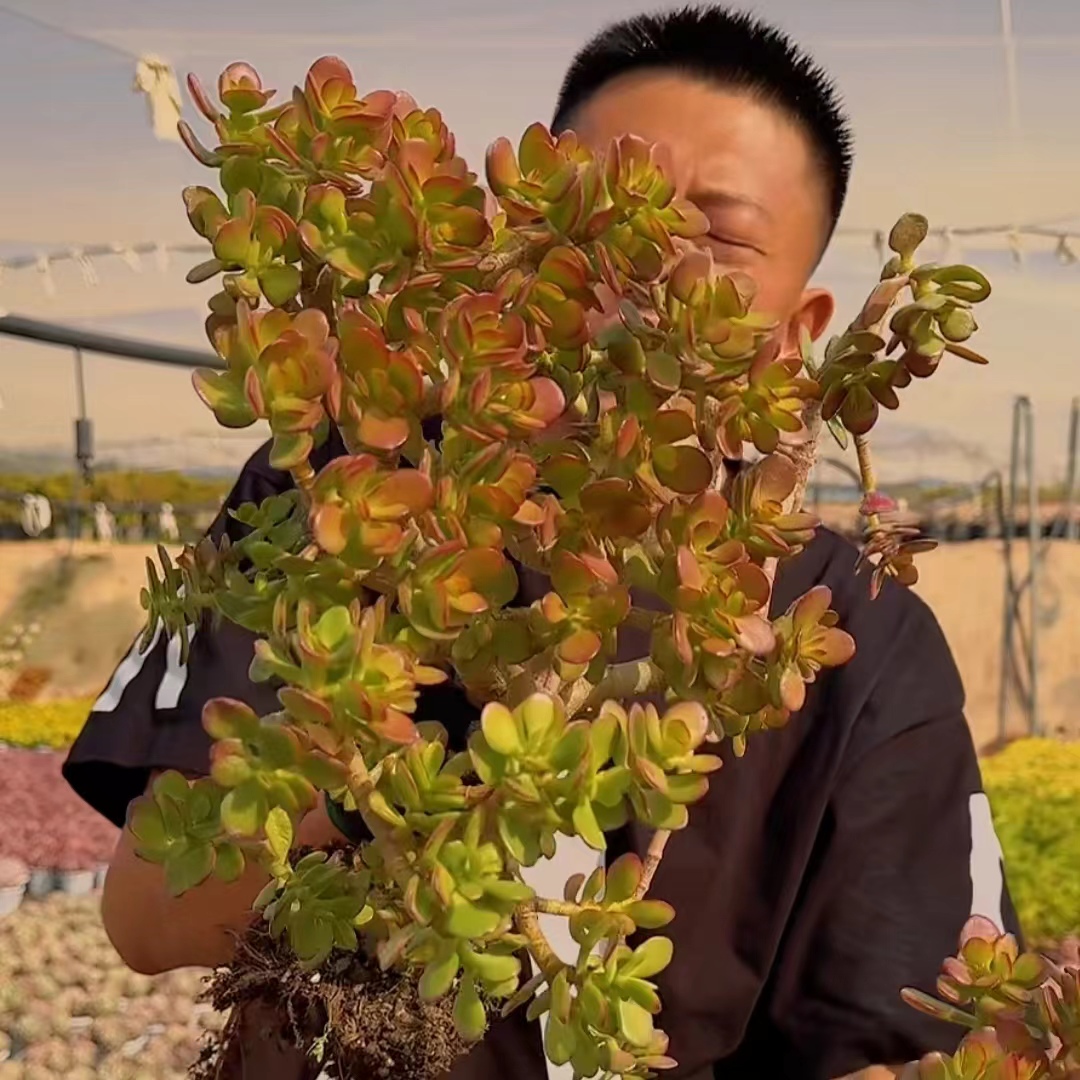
[{"x": 351, "y": 1020}]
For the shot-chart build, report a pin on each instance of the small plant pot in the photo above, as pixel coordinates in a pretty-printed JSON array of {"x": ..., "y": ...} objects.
[
  {"x": 76, "y": 882},
  {"x": 11, "y": 896},
  {"x": 42, "y": 882}
]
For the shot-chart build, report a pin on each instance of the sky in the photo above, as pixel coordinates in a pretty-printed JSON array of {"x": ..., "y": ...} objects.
[{"x": 926, "y": 83}]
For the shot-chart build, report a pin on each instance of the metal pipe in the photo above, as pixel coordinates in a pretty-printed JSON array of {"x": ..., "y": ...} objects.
[
  {"x": 1023, "y": 443},
  {"x": 1006, "y": 524},
  {"x": 80, "y": 384},
  {"x": 106, "y": 344},
  {"x": 1072, "y": 480},
  {"x": 1034, "y": 555}
]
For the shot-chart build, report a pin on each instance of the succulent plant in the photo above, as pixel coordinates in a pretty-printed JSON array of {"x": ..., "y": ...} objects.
[
  {"x": 13, "y": 873},
  {"x": 1021, "y": 1012},
  {"x": 368, "y": 281}
]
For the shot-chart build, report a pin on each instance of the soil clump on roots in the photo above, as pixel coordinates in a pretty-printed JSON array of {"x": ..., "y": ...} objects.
[{"x": 351, "y": 1020}]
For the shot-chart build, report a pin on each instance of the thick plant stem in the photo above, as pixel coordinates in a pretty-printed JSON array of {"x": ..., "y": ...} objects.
[
  {"x": 361, "y": 786},
  {"x": 653, "y": 857},
  {"x": 621, "y": 681},
  {"x": 528, "y": 923},
  {"x": 566, "y": 908},
  {"x": 867, "y": 477}
]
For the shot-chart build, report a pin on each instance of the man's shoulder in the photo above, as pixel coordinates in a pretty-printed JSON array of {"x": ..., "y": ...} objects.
[
  {"x": 834, "y": 561},
  {"x": 258, "y": 471},
  {"x": 903, "y": 672}
]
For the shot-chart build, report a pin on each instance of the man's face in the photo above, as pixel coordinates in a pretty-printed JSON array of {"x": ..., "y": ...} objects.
[{"x": 746, "y": 165}]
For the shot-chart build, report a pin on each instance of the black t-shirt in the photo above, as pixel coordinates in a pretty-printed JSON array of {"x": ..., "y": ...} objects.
[{"x": 829, "y": 868}]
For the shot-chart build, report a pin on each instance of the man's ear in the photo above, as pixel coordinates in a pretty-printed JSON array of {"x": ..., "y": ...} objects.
[{"x": 815, "y": 311}]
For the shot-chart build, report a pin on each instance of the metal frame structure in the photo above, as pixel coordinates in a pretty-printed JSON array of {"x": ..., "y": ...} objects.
[
  {"x": 1019, "y": 664},
  {"x": 1019, "y": 642},
  {"x": 105, "y": 344},
  {"x": 84, "y": 341},
  {"x": 1070, "y": 525}
]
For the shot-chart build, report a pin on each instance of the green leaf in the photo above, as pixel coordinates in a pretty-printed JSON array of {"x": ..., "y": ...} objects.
[
  {"x": 519, "y": 838},
  {"x": 962, "y": 283},
  {"x": 541, "y": 715},
  {"x": 650, "y": 914},
  {"x": 538, "y": 1006},
  {"x": 469, "y": 1016},
  {"x": 907, "y": 234},
  {"x": 279, "y": 833},
  {"x": 243, "y": 810},
  {"x": 312, "y": 938},
  {"x": 838, "y": 432},
  {"x": 466, "y": 920},
  {"x": 685, "y": 788},
  {"x": 508, "y": 892},
  {"x": 230, "y": 770},
  {"x": 324, "y": 773},
  {"x": 623, "y": 877},
  {"x": 594, "y": 885},
  {"x": 684, "y": 469},
  {"x": 233, "y": 244},
  {"x": 594, "y": 1005},
  {"x": 940, "y": 1010},
  {"x": 268, "y": 892},
  {"x": 662, "y": 813},
  {"x": 585, "y": 825},
  {"x": 189, "y": 868},
  {"x": 648, "y": 959},
  {"x": 635, "y": 1023},
  {"x": 223, "y": 718},
  {"x": 439, "y": 974},
  {"x": 485, "y": 761},
  {"x": 559, "y": 1041},
  {"x": 379, "y": 805},
  {"x": 280, "y": 284},
  {"x": 345, "y": 936},
  {"x": 490, "y": 968},
  {"x": 229, "y": 862},
  {"x": 642, "y": 992},
  {"x": 500, "y": 730},
  {"x": 664, "y": 371},
  {"x": 146, "y": 825},
  {"x": 334, "y": 628}
]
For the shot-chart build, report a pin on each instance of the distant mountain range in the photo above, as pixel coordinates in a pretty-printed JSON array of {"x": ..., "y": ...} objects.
[
  {"x": 198, "y": 456},
  {"x": 210, "y": 457}
]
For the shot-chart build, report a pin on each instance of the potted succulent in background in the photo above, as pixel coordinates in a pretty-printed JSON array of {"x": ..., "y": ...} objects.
[
  {"x": 73, "y": 876},
  {"x": 42, "y": 882},
  {"x": 14, "y": 875}
]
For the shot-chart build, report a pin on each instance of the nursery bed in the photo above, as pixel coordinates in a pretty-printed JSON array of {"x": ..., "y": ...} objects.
[{"x": 70, "y": 1009}]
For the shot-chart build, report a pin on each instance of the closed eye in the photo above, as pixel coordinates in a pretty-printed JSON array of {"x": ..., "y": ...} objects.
[{"x": 729, "y": 242}]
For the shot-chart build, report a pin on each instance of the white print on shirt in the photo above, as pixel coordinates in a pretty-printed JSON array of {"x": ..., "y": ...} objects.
[
  {"x": 547, "y": 877},
  {"x": 128, "y": 668},
  {"x": 172, "y": 682},
  {"x": 175, "y": 678},
  {"x": 987, "y": 875}
]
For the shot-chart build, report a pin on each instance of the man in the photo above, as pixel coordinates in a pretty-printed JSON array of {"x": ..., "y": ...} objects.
[{"x": 837, "y": 862}]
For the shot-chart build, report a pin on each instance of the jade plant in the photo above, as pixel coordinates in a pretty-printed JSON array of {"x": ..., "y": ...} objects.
[
  {"x": 1020, "y": 1011},
  {"x": 544, "y": 374}
]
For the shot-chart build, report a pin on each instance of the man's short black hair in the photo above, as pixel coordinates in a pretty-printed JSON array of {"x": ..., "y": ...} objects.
[{"x": 733, "y": 50}]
